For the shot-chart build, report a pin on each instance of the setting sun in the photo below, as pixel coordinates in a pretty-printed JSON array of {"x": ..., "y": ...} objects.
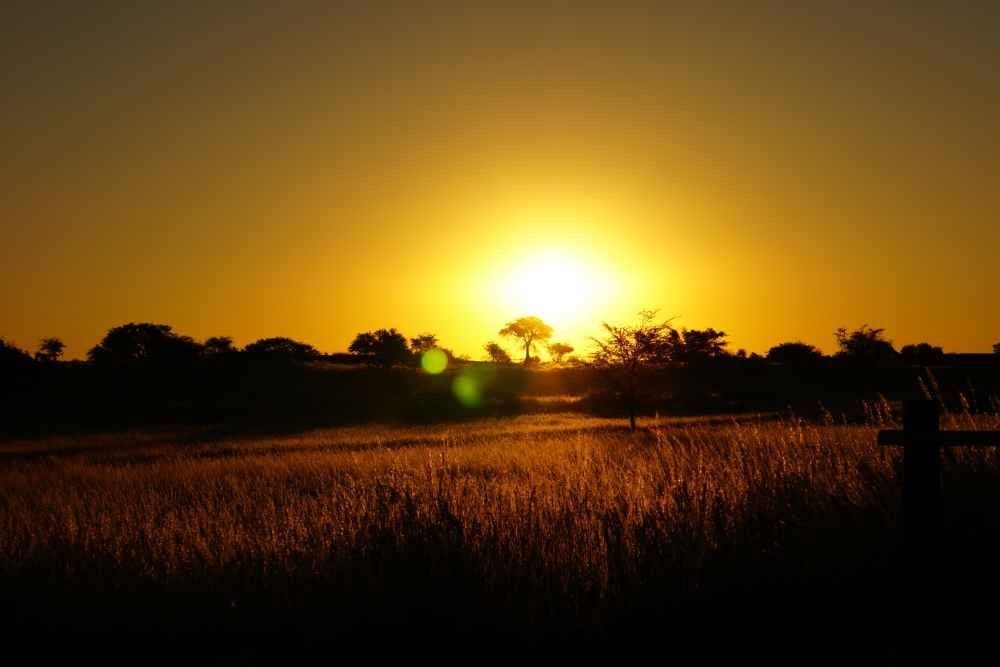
[{"x": 561, "y": 288}]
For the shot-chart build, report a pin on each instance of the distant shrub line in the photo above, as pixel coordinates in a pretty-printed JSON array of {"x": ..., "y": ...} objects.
[{"x": 143, "y": 373}]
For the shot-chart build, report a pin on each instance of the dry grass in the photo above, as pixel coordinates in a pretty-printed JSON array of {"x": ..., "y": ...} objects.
[{"x": 556, "y": 516}]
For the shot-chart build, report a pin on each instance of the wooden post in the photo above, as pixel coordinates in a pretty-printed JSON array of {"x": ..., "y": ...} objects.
[
  {"x": 922, "y": 499},
  {"x": 921, "y": 585}
]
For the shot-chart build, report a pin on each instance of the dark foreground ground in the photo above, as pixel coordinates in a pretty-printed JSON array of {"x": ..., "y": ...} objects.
[{"x": 855, "y": 625}]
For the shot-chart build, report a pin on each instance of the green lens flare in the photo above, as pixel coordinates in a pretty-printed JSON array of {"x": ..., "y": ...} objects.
[
  {"x": 434, "y": 361},
  {"x": 467, "y": 391}
]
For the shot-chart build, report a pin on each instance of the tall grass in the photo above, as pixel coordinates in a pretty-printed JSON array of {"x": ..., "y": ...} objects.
[{"x": 535, "y": 522}]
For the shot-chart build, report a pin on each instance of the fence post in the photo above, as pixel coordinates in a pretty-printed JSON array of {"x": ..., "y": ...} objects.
[{"x": 922, "y": 499}]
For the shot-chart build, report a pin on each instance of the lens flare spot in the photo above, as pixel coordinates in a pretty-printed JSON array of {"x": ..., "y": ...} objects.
[
  {"x": 467, "y": 391},
  {"x": 434, "y": 361}
]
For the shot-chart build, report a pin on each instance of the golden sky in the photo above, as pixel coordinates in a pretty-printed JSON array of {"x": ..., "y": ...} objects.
[{"x": 252, "y": 170}]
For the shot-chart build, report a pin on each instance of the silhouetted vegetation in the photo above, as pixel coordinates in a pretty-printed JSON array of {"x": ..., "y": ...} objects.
[
  {"x": 923, "y": 354},
  {"x": 219, "y": 346},
  {"x": 559, "y": 350},
  {"x": 12, "y": 356},
  {"x": 144, "y": 373},
  {"x": 795, "y": 354},
  {"x": 423, "y": 343},
  {"x": 384, "y": 348},
  {"x": 530, "y": 331},
  {"x": 625, "y": 355},
  {"x": 865, "y": 345},
  {"x": 497, "y": 354},
  {"x": 282, "y": 350},
  {"x": 144, "y": 343},
  {"x": 50, "y": 350},
  {"x": 694, "y": 346}
]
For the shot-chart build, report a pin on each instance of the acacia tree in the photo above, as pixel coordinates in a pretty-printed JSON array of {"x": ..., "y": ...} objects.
[
  {"x": 530, "y": 330},
  {"x": 50, "y": 350},
  {"x": 624, "y": 353},
  {"x": 559, "y": 350}
]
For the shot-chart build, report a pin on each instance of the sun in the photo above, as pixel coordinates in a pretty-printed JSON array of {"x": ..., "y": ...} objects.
[{"x": 562, "y": 289}]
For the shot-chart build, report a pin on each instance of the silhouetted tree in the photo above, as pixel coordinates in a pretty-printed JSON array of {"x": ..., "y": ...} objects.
[
  {"x": 530, "y": 330},
  {"x": 144, "y": 342},
  {"x": 423, "y": 343},
  {"x": 496, "y": 353},
  {"x": 384, "y": 347},
  {"x": 13, "y": 356},
  {"x": 996, "y": 348},
  {"x": 864, "y": 344},
  {"x": 281, "y": 349},
  {"x": 50, "y": 350},
  {"x": 693, "y": 346},
  {"x": 559, "y": 350},
  {"x": 794, "y": 354},
  {"x": 217, "y": 346},
  {"x": 923, "y": 354},
  {"x": 625, "y": 352}
]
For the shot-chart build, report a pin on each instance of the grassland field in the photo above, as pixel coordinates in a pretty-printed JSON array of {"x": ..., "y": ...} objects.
[{"x": 538, "y": 529}]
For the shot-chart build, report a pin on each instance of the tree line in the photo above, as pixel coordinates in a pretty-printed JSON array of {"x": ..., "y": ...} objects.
[
  {"x": 649, "y": 342},
  {"x": 145, "y": 373}
]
